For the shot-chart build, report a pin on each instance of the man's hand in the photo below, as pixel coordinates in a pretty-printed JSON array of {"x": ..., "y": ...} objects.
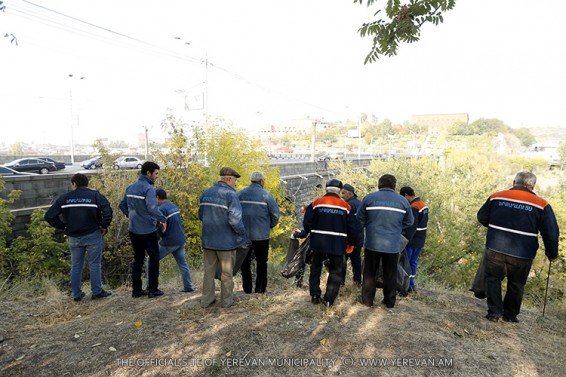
[
  {"x": 163, "y": 227},
  {"x": 103, "y": 230}
]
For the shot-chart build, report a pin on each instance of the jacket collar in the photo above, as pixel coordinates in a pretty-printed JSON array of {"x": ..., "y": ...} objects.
[
  {"x": 145, "y": 178},
  {"x": 224, "y": 184}
]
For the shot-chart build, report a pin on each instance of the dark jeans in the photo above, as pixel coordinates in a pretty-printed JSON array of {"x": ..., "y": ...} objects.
[
  {"x": 371, "y": 265},
  {"x": 142, "y": 243},
  {"x": 334, "y": 277},
  {"x": 356, "y": 260},
  {"x": 498, "y": 266},
  {"x": 261, "y": 250}
]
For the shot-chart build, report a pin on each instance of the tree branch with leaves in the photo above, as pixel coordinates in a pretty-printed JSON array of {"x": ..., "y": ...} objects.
[{"x": 402, "y": 23}]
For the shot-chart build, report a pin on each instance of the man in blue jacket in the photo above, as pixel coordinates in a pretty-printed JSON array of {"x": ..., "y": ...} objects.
[
  {"x": 260, "y": 214},
  {"x": 514, "y": 218},
  {"x": 84, "y": 215},
  {"x": 140, "y": 207},
  {"x": 173, "y": 241},
  {"x": 222, "y": 233},
  {"x": 332, "y": 225},
  {"x": 354, "y": 253},
  {"x": 384, "y": 214}
]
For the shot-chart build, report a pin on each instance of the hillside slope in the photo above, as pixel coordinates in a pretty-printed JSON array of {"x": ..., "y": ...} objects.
[{"x": 427, "y": 334}]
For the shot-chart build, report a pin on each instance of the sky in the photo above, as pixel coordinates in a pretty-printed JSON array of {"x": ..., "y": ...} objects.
[{"x": 266, "y": 62}]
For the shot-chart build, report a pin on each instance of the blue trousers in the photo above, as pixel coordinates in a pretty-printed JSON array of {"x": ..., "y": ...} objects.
[
  {"x": 178, "y": 253},
  {"x": 91, "y": 245}
]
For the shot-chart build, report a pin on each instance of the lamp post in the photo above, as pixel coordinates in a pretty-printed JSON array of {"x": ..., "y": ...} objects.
[{"x": 72, "y": 121}]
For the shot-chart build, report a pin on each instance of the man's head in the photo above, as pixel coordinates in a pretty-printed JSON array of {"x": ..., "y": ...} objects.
[
  {"x": 525, "y": 179},
  {"x": 407, "y": 191},
  {"x": 151, "y": 170},
  {"x": 161, "y": 195},
  {"x": 334, "y": 185},
  {"x": 387, "y": 181},
  {"x": 79, "y": 180},
  {"x": 258, "y": 177},
  {"x": 229, "y": 176},
  {"x": 348, "y": 191}
]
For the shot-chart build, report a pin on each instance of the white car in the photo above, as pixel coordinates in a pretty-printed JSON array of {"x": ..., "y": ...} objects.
[{"x": 127, "y": 162}]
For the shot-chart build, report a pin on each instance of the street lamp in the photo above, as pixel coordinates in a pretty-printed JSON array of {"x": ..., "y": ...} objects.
[{"x": 71, "y": 76}]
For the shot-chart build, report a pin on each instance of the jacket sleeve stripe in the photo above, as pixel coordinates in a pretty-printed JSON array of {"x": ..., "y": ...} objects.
[
  {"x": 421, "y": 229},
  {"x": 513, "y": 231},
  {"x": 329, "y": 233},
  {"x": 136, "y": 196},
  {"x": 377, "y": 208},
  {"x": 214, "y": 205},
  {"x": 252, "y": 202},
  {"x": 173, "y": 214}
]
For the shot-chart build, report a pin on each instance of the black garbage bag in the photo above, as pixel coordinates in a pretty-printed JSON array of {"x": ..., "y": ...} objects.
[
  {"x": 241, "y": 253},
  {"x": 296, "y": 257},
  {"x": 479, "y": 285},
  {"x": 403, "y": 271}
]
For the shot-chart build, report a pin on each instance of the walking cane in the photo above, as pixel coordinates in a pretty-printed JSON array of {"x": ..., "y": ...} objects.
[{"x": 546, "y": 292}]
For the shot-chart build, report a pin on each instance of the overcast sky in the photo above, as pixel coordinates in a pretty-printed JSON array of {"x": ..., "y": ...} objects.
[{"x": 268, "y": 62}]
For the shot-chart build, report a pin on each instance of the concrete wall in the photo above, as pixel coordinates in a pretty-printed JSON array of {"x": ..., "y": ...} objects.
[{"x": 40, "y": 191}]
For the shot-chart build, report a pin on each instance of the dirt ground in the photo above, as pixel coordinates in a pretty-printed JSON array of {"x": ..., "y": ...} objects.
[{"x": 429, "y": 333}]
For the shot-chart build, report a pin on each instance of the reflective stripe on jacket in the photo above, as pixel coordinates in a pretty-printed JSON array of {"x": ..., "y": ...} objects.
[
  {"x": 514, "y": 218},
  {"x": 260, "y": 211},
  {"x": 140, "y": 207},
  {"x": 221, "y": 215}
]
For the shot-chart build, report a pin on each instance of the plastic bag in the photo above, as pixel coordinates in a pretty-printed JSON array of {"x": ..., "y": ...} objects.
[{"x": 296, "y": 257}]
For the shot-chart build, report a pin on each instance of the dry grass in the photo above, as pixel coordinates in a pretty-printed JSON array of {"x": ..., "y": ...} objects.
[{"x": 52, "y": 335}]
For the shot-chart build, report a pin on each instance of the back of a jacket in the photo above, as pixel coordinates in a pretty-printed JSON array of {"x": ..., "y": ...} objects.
[
  {"x": 140, "y": 207},
  {"x": 221, "y": 215},
  {"x": 83, "y": 211},
  {"x": 175, "y": 233},
  {"x": 514, "y": 218},
  {"x": 260, "y": 211},
  {"x": 420, "y": 214},
  {"x": 384, "y": 214},
  {"x": 331, "y": 225}
]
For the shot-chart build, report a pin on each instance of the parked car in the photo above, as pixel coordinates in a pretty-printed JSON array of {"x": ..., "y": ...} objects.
[
  {"x": 7, "y": 172},
  {"x": 31, "y": 165},
  {"x": 127, "y": 162},
  {"x": 92, "y": 163},
  {"x": 58, "y": 164}
]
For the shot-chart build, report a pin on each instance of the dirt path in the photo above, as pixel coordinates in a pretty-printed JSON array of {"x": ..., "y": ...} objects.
[{"x": 426, "y": 334}]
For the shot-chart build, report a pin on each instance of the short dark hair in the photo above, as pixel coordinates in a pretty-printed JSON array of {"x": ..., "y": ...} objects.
[
  {"x": 80, "y": 180},
  {"x": 407, "y": 190},
  {"x": 149, "y": 166},
  {"x": 387, "y": 181},
  {"x": 161, "y": 194}
]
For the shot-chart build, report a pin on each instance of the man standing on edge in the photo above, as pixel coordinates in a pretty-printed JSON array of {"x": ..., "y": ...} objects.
[
  {"x": 260, "y": 214},
  {"x": 140, "y": 207},
  {"x": 173, "y": 241},
  {"x": 348, "y": 193},
  {"x": 384, "y": 214},
  {"x": 514, "y": 218},
  {"x": 417, "y": 235},
  {"x": 86, "y": 216},
  {"x": 222, "y": 233},
  {"x": 331, "y": 225}
]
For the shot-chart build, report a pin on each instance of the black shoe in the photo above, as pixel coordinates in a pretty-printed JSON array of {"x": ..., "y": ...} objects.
[
  {"x": 155, "y": 293},
  {"x": 366, "y": 304},
  {"x": 102, "y": 294},
  {"x": 492, "y": 318},
  {"x": 188, "y": 290},
  {"x": 141, "y": 293},
  {"x": 388, "y": 306},
  {"x": 512, "y": 320},
  {"x": 326, "y": 302},
  {"x": 315, "y": 299},
  {"x": 77, "y": 299}
]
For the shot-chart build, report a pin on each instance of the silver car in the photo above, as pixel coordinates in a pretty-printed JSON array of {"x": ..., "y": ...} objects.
[{"x": 127, "y": 162}]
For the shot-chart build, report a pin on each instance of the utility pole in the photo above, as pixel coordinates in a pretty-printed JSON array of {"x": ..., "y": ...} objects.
[
  {"x": 146, "y": 143},
  {"x": 313, "y": 139},
  {"x": 72, "y": 120}
]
